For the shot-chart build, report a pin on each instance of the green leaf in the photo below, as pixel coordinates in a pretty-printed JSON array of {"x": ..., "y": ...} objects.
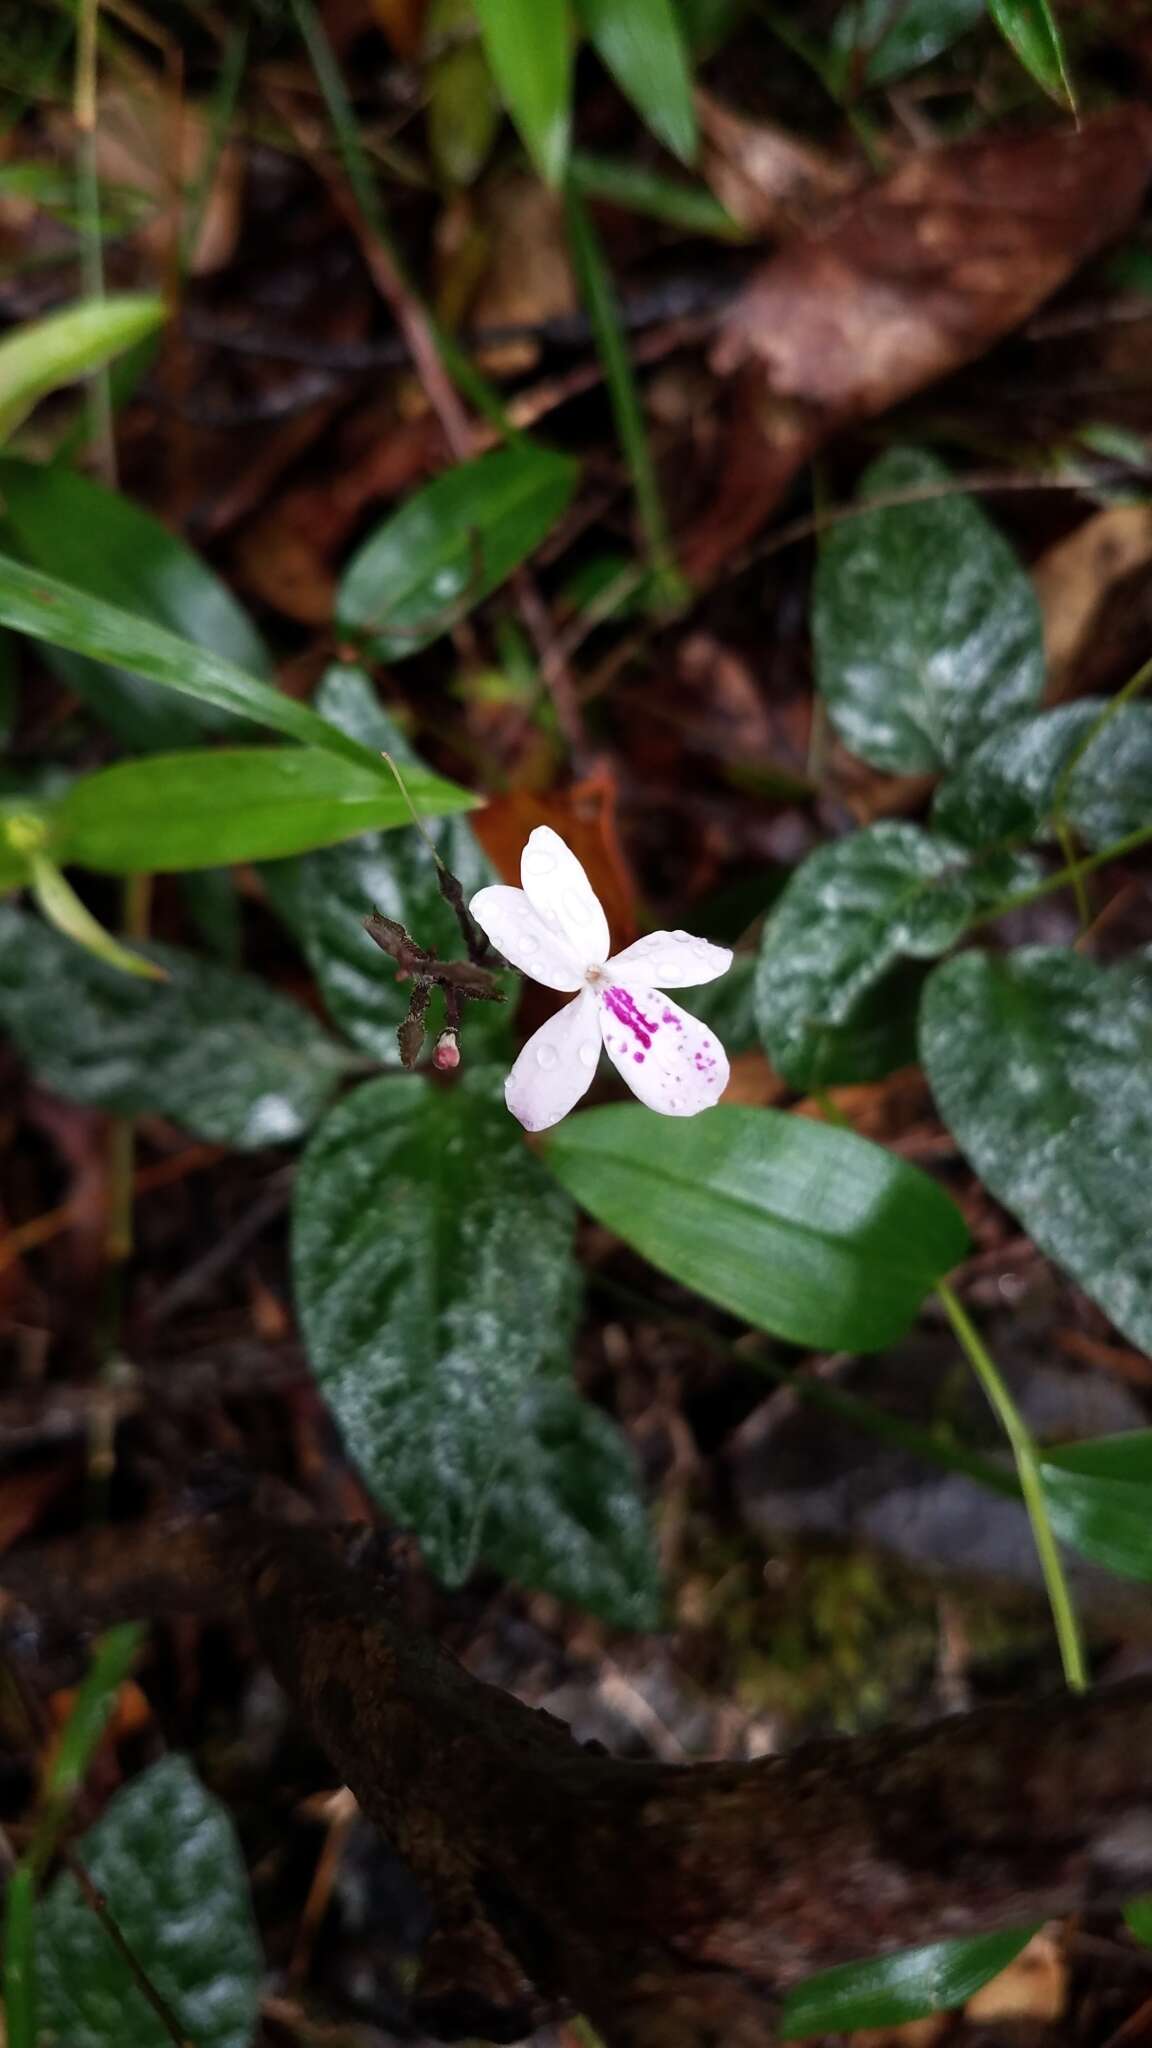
[
  {"x": 874, "y": 42},
  {"x": 1041, "y": 1064},
  {"x": 529, "y": 44},
  {"x": 643, "y": 190},
  {"x": 101, "y": 543},
  {"x": 65, "y": 617},
  {"x": 69, "y": 344},
  {"x": 208, "y": 809},
  {"x": 566, "y": 1514},
  {"x": 462, "y": 106},
  {"x": 1008, "y": 788},
  {"x": 849, "y": 913},
  {"x": 800, "y": 1228},
  {"x": 434, "y": 1277},
  {"x": 926, "y": 629},
  {"x": 63, "y": 908},
  {"x": 450, "y": 545},
  {"x": 727, "y": 1006},
  {"x": 397, "y": 876},
  {"x": 1138, "y": 1916},
  {"x": 641, "y": 42},
  {"x": 165, "y": 1858},
  {"x": 1099, "y": 1497},
  {"x": 1030, "y": 29},
  {"x": 217, "y": 1052},
  {"x": 891, "y": 1990},
  {"x": 708, "y": 23}
]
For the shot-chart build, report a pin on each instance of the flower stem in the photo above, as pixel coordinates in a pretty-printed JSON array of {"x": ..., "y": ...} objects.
[{"x": 1031, "y": 1486}]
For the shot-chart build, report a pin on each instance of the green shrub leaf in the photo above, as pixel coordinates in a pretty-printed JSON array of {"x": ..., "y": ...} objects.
[
  {"x": 566, "y": 1514},
  {"x": 1008, "y": 788},
  {"x": 874, "y": 42},
  {"x": 102, "y": 543},
  {"x": 529, "y": 44},
  {"x": 926, "y": 629},
  {"x": 1030, "y": 27},
  {"x": 450, "y": 545},
  {"x": 213, "y": 807},
  {"x": 215, "y": 1051},
  {"x": 894, "y": 1989},
  {"x": 642, "y": 44},
  {"x": 66, "y": 617},
  {"x": 1041, "y": 1066},
  {"x": 165, "y": 1858},
  {"x": 69, "y": 344},
  {"x": 1100, "y": 1500},
  {"x": 802, "y": 1229},
  {"x": 849, "y": 913},
  {"x": 434, "y": 1277}
]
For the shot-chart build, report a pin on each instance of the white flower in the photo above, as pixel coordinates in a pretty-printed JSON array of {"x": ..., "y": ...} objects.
[{"x": 555, "y": 930}]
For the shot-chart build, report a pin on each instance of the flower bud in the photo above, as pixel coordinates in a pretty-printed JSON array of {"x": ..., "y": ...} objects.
[{"x": 447, "y": 1053}]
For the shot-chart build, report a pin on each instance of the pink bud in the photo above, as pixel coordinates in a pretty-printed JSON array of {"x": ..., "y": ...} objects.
[{"x": 447, "y": 1053}]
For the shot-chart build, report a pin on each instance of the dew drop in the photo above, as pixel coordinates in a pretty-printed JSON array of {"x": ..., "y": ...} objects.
[
  {"x": 538, "y": 862},
  {"x": 547, "y": 1057},
  {"x": 684, "y": 939},
  {"x": 589, "y": 1053}
]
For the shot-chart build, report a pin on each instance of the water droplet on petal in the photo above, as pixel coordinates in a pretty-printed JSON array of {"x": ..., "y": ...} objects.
[
  {"x": 589, "y": 1053},
  {"x": 529, "y": 939},
  {"x": 538, "y": 862},
  {"x": 547, "y": 1057},
  {"x": 577, "y": 906}
]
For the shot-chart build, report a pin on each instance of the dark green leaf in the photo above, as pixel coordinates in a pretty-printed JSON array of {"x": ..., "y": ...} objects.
[
  {"x": 1009, "y": 787},
  {"x": 642, "y": 44},
  {"x": 708, "y": 23},
  {"x": 892, "y": 1990},
  {"x": 849, "y": 913},
  {"x": 434, "y": 1276},
  {"x": 66, "y": 617},
  {"x": 396, "y": 875},
  {"x": 102, "y": 543},
  {"x": 1099, "y": 1498},
  {"x": 529, "y": 44},
  {"x": 643, "y": 190},
  {"x": 727, "y": 1006},
  {"x": 1031, "y": 29},
  {"x": 802, "y": 1229},
  {"x": 212, "y": 901},
  {"x": 1138, "y": 1915},
  {"x": 1042, "y": 1067},
  {"x": 166, "y": 1860},
  {"x": 8, "y": 687},
  {"x": 927, "y": 630},
  {"x": 463, "y": 109},
  {"x": 876, "y": 41},
  {"x": 69, "y": 344},
  {"x": 451, "y": 544},
  {"x": 566, "y": 1513},
  {"x": 215, "y": 1051},
  {"x": 208, "y": 809}
]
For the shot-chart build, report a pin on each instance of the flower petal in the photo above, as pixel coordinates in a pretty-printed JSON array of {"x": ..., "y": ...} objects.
[
  {"x": 669, "y": 960},
  {"x": 507, "y": 918},
  {"x": 556, "y": 1066},
  {"x": 560, "y": 891},
  {"x": 669, "y": 1059}
]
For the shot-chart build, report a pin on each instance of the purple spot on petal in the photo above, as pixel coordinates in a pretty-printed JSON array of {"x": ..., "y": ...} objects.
[
  {"x": 639, "y": 1058},
  {"x": 623, "y": 1008}
]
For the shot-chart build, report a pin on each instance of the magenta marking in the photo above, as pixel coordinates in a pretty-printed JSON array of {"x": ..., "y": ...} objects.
[
  {"x": 623, "y": 1008},
  {"x": 639, "y": 1058}
]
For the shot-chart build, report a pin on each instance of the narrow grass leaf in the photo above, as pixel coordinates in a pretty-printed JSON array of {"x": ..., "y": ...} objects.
[
  {"x": 641, "y": 42},
  {"x": 893, "y": 1990},
  {"x": 529, "y": 45},
  {"x": 69, "y": 344}
]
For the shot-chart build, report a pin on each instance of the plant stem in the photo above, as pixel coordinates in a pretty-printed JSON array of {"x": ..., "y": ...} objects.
[
  {"x": 1031, "y": 1486},
  {"x": 1064, "y": 875},
  {"x": 101, "y": 434}
]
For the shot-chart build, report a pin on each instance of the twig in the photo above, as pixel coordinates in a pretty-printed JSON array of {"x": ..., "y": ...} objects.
[{"x": 95, "y": 1899}]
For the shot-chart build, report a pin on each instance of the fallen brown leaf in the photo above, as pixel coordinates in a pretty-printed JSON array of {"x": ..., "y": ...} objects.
[
  {"x": 769, "y": 180},
  {"x": 918, "y": 275},
  {"x": 585, "y": 817},
  {"x": 1033, "y": 1987},
  {"x": 1075, "y": 580}
]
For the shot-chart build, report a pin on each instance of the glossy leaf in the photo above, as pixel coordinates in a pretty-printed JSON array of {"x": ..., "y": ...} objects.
[
  {"x": 66, "y": 617},
  {"x": 874, "y": 42},
  {"x": 463, "y": 108},
  {"x": 800, "y": 1228},
  {"x": 1008, "y": 788},
  {"x": 1040, "y": 1065},
  {"x": 450, "y": 545},
  {"x": 529, "y": 45},
  {"x": 434, "y": 1277},
  {"x": 891, "y": 1990},
  {"x": 217, "y": 1052},
  {"x": 1030, "y": 28},
  {"x": 926, "y": 629},
  {"x": 101, "y": 542},
  {"x": 208, "y": 809},
  {"x": 396, "y": 875},
  {"x": 68, "y": 344},
  {"x": 1099, "y": 1498},
  {"x": 849, "y": 913},
  {"x": 566, "y": 1513},
  {"x": 166, "y": 1860},
  {"x": 641, "y": 42}
]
